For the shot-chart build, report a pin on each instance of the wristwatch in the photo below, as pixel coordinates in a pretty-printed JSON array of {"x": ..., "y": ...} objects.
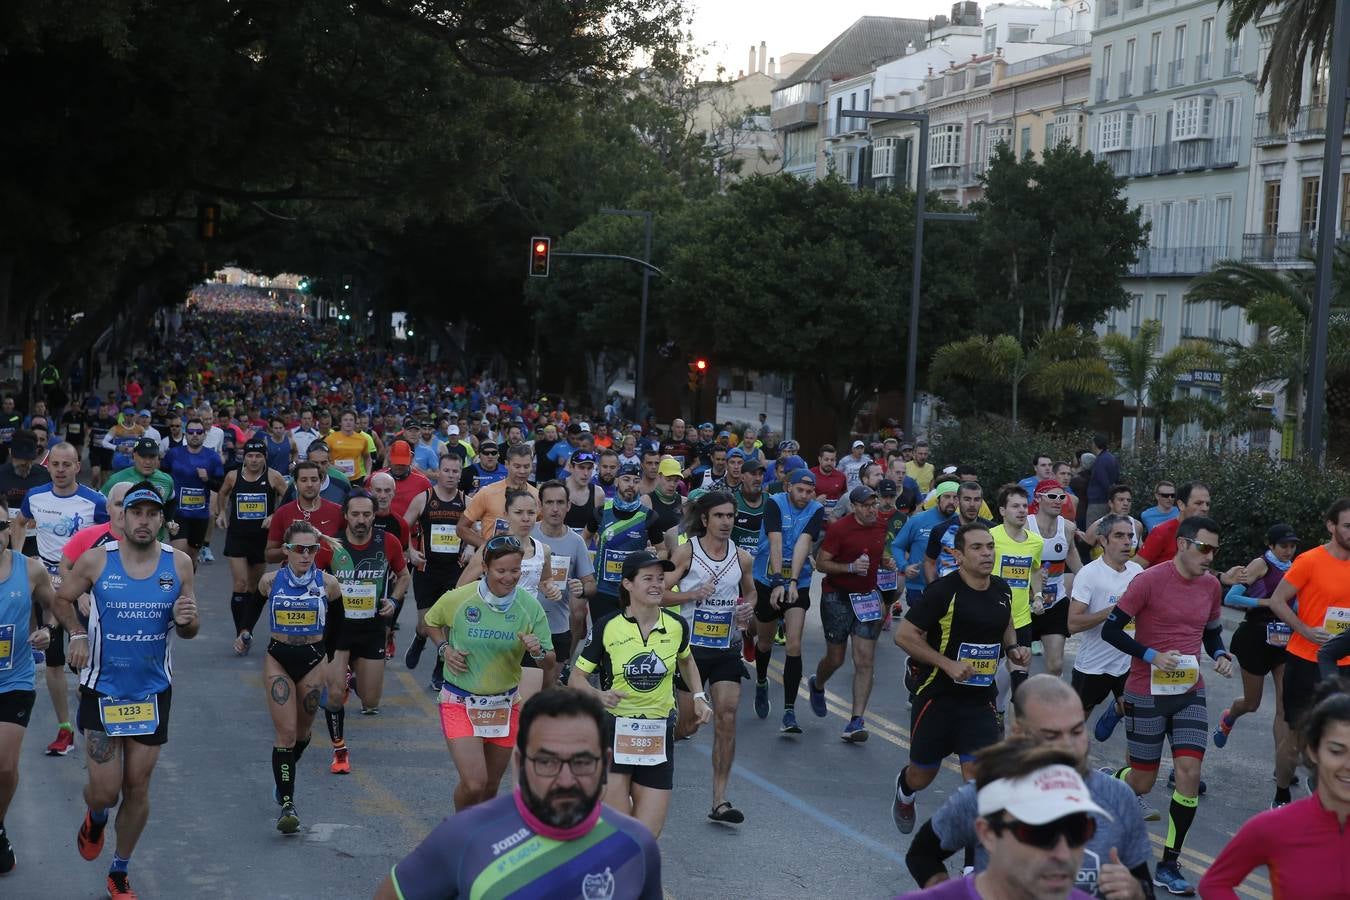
[{"x": 702, "y": 695}]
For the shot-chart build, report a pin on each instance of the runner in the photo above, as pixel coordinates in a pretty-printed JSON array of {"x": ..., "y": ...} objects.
[
  {"x": 1059, "y": 562},
  {"x": 281, "y": 448},
  {"x": 1260, "y": 641},
  {"x": 145, "y": 467},
  {"x": 437, "y": 562},
  {"x": 911, "y": 544},
  {"x": 1318, "y": 578},
  {"x": 481, "y": 629},
  {"x": 919, "y": 468},
  {"x": 831, "y": 484},
  {"x": 298, "y": 597},
  {"x": 334, "y": 486},
  {"x": 607, "y": 470},
  {"x": 940, "y": 556},
  {"x": 571, "y": 568},
  {"x": 486, "y": 470},
  {"x": 1047, "y": 716},
  {"x": 637, "y": 651},
  {"x": 196, "y": 472},
  {"x": 955, "y": 636},
  {"x": 1175, "y": 608},
  {"x": 100, "y": 452},
  {"x": 307, "y": 506},
  {"x": 56, "y": 511},
  {"x": 793, "y": 522},
  {"x": 1193, "y": 500},
  {"x": 850, "y": 465},
  {"x": 714, "y": 579},
  {"x": 1017, "y": 560},
  {"x": 373, "y": 577},
  {"x": 664, "y": 497},
  {"x": 487, "y": 508},
  {"x": 350, "y": 449},
  {"x": 1165, "y": 509},
  {"x": 17, "y": 477},
  {"x": 626, "y": 527},
  {"x": 25, "y": 588},
  {"x": 561, "y": 768},
  {"x": 851, "y": 604},
  {"x": 1119, "y": 500},
  {"x": 244, "y": 506},
  {"x": 141, "y": 594},
  {"x": 1100, "y": 670},
  {"x": 585, "y": 499}
]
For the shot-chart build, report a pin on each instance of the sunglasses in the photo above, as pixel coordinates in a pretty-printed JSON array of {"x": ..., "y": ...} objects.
[
  {"x": 1055, "y": 496},
  {"x": 303, "y": 548},
  {"x": 1076, "y": 829},
  {"x": 1163, "y": 496},
  {"x": 502, "y": 542},
  {"x": 1206, "y": 549}
]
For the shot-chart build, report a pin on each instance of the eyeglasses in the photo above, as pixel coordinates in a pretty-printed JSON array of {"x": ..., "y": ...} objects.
[
  {"x": 303, "y": 548},
  {"x": 1163, "y": 496},
  {"x": 488, "y": 453},
  {"x": 1055, "y": 496},
  {"x": 196, "y": 431},
  {"x": 1076, "y": 829},
  {"x": 1206, "y": 549},
  {"x": 582, "y": 764},
  {"x": 502, "y": 542}
]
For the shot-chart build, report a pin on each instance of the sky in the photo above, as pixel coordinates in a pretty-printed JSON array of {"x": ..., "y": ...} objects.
[{"x": 728, "y": 27}]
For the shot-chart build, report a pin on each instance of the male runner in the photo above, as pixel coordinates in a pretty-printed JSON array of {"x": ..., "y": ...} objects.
[
  {"x": 1165, "y": 509},
  {"x": 1059, "y": 560},
  {"x": 308, "y": 505},
  {"x": 1017, "y": 560},
  {"x": 437, "y": 562},
  {"x": 831, "y": 484},
  {"x": 196, "y": 472},
  {"x": 940, "y": 556},
  {"x": 141, "y": 594},
  {"x": 487, "y": 508},
  {"x": 911, "y": 544},
  {"x": 626, "y": 526},
  {"x": 571, "y": 567},
  {"x": 1193, "y": 500},
  {"x": 585, "y": 500}
]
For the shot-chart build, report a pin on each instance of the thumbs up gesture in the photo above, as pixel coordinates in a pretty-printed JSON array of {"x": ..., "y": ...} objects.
[{"x": 1115, "y": 882}]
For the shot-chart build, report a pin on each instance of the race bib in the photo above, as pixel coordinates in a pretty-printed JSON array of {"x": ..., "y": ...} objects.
[
  {"x": 712, "y": 627},
  {"x": 1278, "y": 634},
  {"x": 828, "y": 503},
  {"x": 6, "y": 647},
  {"x": 490, "y": 716},
  {"x": 358, "y": 600},
  {"x": 887, "y": 579},
  {"x": 444, "y": 538},
  {"x": 1178, "y": 681},
  {"x": 191, "y": 498},
  {"x": 639, "y": 742},
  {"x": 346, "y": 466},
  {"x": 129, "y": 718},
  {"x": 501, "y": 527},
  {"x": 251, "y": 506},
  {"x": 1016, "y": 570},
  {"x": 558, "y": 567},
  {"x": 614, "y": 559},
  {"x": 1337, "y": 620},
  {"x": 982, "y": 659},
  {"x": 867, "y": 607},
  {"x": 294, "y": 621}
]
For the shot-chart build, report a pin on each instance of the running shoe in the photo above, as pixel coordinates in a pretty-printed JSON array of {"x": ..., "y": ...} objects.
[
  {"x": 89, "y": 841},
  {"x": 119, "y": 887},
  {"x": 817, "y": 698},
  {"x": 1036, "y": 648},
  {"x": 903, "y": 812},
  {"x": 1172, "y": 782},
  {"x": 6, "y": 853},
  {"x": 762, "y": 699},
  {"x": 243, "y": 642},
  {"x": 855, "y": 731},
  {"x": 64, "y": 743},
  {"x": 1149, "y": 813},
  {"x": 289, "y": 822},
  {"x": 207, "y": 556},
  {"x": 341, "y": 765},
  {"x": 370, "y": 710},
  {"x": 1168, "y": 877},
  {"x": 790, "y": 725},
  {"x": 414, "y": 654},
  {"x": 1225, "y": 728},
  {"x": 1107, "y": 722},
  {"x": 779, "y": 637},
  {"x": 748, "y": 647}
]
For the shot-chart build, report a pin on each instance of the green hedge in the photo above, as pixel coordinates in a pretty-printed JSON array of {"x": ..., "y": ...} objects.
[{"x": 1250, "y": 491}]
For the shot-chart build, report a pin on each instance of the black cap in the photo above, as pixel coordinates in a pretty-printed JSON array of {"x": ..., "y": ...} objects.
[
  {"x": 641, "y": 560},
  {"x": 23, "y": 447},
  {"x": 629, "y": 469},
  {"x": 752, "y": 464},
  {"x": 861, "y": 494},
  {"x": 886, "y": 488},
  {"x": 146, "y": 446},
  {"x": 255, "y": 445},
  {"x": 1281, "y": 534}
]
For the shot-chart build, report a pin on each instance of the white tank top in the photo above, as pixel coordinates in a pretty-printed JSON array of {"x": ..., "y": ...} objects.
[
  {"x": 531, "y": 569},
  {"x": 724, "y": 575},
  {"x": 1054, "y": 554}
]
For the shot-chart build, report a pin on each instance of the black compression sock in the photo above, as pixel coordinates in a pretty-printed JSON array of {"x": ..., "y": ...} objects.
[
  {"x": 300, "y": 747},
  {"x": 238, "y": 607},
  {"x": 283, "y": 771},
  {"x": 335, "y": 724},
  {"x": 253, "y": 608},
  {"x": 1181, "y": 814},
  {"x": 762, "y": 663},
  {"x": 792, "y": 679}
]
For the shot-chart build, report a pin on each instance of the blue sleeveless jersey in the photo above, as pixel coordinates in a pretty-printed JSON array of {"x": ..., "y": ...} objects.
[
  {"x": 16, "y": 607},
  {"x": 130, "y": 620},
  {"x": 299, "y": 606},
  {"x": 794, "y": 523}
]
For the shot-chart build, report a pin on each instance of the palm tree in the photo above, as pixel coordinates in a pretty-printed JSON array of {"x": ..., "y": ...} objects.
[
  {"x": 1060, "y": 362},
  {"x": 1150, "y": 378},
  {"x": 1302, "y": 37}
]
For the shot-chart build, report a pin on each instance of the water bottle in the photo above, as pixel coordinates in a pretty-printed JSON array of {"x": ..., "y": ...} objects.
[{"x": 39, "y": 658}]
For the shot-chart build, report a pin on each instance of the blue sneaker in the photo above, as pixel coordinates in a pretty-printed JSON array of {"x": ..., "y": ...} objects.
[
  {"x": 1225, "y": 728},
  {"x": 817, "y": 697},
  {"x": 762, "y": 699},
  {"x": 1106, "y": 723},
  {"x": 1172, "y": 782},
  {"x": 1168, "y": 877},
  {"x": 790, "y": 725},
  {"x": 855, "y": 731}
]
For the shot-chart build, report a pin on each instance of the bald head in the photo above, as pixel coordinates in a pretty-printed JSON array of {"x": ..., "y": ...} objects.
[
  {"x": 1043, "y": 690},
  {"x": 1050, "y": 713},
  {"x": 116, "y": 513}
]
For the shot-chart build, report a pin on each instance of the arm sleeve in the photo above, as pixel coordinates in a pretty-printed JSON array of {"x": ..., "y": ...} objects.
[
  {"x": 1238, "y": 598},
  {"x": 817, "y": 523},
  {"x": 925, "y": 856},
  {"x": 1213, "y": 639},
  {"x": 1113, "y": 632},
  {"x": 773, "y": 518}
]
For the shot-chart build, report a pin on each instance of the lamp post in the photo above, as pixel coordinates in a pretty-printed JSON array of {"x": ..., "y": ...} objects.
[{"x": 646, "y": 215}]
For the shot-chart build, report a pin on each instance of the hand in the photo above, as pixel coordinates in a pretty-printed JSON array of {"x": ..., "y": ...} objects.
[
  {"x": 201, "y": 474},
  {"x": 1114, "y": 881},
  {"x": 912, "y": 571},
  {"x": 1317, "y": 635},
  {"x": 744, "y": 612},
  {"x": 552, "y": 592},
  {"x": 703, "y": 711},
  {"x": 1168, "y": 660},
  {"x": 1224, "y": 666},
  {"x": 958, "y": 671},
  {"x": 184, "y": 610},
  {"x": 1237, "y": 575},
  {"x": 222, "y": 521},
  {"x": 1020, "y": 655},
  {"x": 172, "y": 527},
  {"x": 39, "y": 639},
  {"x": 1037, "y": 606},
  {"x": 791, "y": 594},
  {"x": 457, "y": 661},
  {"x": 265, "y": 522},
  {"x": 702, "y": 592},
  {"x": 532, "y": 645},
  {"x": 575, "y": 588},
  {"x": 416, "y": 558},
  {"x": 388, "y": 607},
  {"x": 611, "y": 698},
  {"x": 77, "y": 653},
  {"x": 888, "y": 563},
  {"x": 776, "y": 597}
]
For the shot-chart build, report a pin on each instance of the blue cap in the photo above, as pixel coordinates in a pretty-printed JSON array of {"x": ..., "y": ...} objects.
[
  {"x": 736, "y": 452},
  {"x": 629, "y": 469},
  {"x": 144, "y": 495},
  {"x": 800, "y": 476},
  {"x": 707, "y": 425},
  {"x": 143, "y": 412},
  {"x": 792, "y": 463}
]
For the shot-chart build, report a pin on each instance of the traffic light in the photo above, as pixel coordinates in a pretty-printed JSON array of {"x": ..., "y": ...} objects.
[
  {"x": 208, "y": 217},
  {"x": 540, "y": 247},
  {"x": 698, "y": 371}
]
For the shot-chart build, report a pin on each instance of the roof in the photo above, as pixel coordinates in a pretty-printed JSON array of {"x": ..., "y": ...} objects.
[{"x": 863, "y": 45}]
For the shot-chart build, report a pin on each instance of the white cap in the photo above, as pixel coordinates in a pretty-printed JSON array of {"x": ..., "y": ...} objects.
[
  {"x": 859, "y": 444},
  {"x": 949, "y": 470},
  {"x": 453, "y": 429},
  {"x": 585, "y": 426},
  {"x": 1043, "y": 796}
]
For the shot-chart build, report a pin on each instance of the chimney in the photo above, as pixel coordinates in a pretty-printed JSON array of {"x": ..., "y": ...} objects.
[
  {"x": 751, "y": 68},
  {"x": 773, "y": 67},
  {"x": 763, "y": 55}
]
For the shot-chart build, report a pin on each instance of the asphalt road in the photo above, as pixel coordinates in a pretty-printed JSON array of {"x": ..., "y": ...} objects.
[{"x": 817, "y": 809}]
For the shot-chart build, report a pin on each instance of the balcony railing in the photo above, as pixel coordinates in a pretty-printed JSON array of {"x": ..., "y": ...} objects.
[
  {"x": 1127, "y": 83},
  {"x": 1176, "y": 73},
  {"x": 1165, "y": 159},
  {"x": 1310, "y": 124},
  {"x": 1103, "y": 83},
  {"x": 1264, "y": 135},
  {"x": 945, "y": 178},
  {"x": 1232, "y": 59},
  {"x": 1284, "y": 246},
  {"x": 1048, "y": 59},
  {"x": 1150, "y": 79},
  {"x": 1177, "y": 260}
]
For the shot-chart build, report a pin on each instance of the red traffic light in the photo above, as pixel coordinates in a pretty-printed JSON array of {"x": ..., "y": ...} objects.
[
  {"x": 540, "y": 247},
  {"x": 701, "y": 364},
  {"x": 539, "y": 256}
]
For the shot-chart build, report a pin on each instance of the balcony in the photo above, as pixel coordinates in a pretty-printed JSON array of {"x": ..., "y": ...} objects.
[
  {"x": 1126, "y": 83},
  {"x": 1077, "y": 51},
  {"x": 1283, "y": 247},
  {"x": 1187, "y": 261},
  {"x": 1264, "y": 135},
  {"x": 1150, "y": 79},
  {"x": 1203, "y": 67},
  {"x": 1232, "y": 59},
  {"x": 795, "y": 115},
  {"x": 1168, "y": 159},
  {"x": 945, "y": 178},
  {"x": 1176, "y": 74},
  {"x": 1310, "y": 124},
  {"x": 1103, "y": 85}
]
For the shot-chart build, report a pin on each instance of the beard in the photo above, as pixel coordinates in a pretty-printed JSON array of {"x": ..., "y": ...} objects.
[{"x": 577, "y": 806}]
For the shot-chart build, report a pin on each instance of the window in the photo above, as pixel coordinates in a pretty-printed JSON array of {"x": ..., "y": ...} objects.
[
  {"x": 1154, "y": 48},
  {"x": 1024, "y": 142},
  {"x": 1223, "y": 220},
  {"x": 845, "y": 167},
  {"x": 1127, "y": 69},
  {"x": 883, "y": 157},
  {"x": 1191, "y": 118},
  {"x": 1068, "y": 126},
  {"x": 1117, "y": 132},
  {"x": 1215, "y": 319},
  {"x": 1002, "y": 134},
  {"x": 867, "y": 105},
  {"x": 1187, "y": 310},
  {"x": 1270, "y": 212},
  {"x": 944, "y": 146},
  {"x": 1111, "y": 321},
  {"x": 1021, "y": 34},
  {"x": 1159, "y": 308},
  {"x": 1206, "y": 49},
  {"x": 1050, "y": 142},
  {"x": 1106, "y": 64},
  {"x": 1136, "y": 313},
  {"x": 799, "y": 148},
  {"x": 990, "y": 39},
  {"x": 1179, "y": 43},
  {"x": 1307, "y": 215},
  {"x": 1162, "y": 226},
  {"x": 1129, "y": 56}
]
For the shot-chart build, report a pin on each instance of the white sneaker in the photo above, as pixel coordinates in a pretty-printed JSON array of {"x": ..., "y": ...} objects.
[{"x": 206, "y": 555}]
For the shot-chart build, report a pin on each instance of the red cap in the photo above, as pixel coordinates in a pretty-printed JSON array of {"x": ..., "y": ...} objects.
[
  {"x": 1048, "y": 484},
  {"x": 400, "y": 454}
]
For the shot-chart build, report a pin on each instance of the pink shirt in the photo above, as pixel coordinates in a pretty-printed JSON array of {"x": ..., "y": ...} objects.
[
  {"x": 85, "y": 539},
  {"x": 1170, "y": 613},
  {"x": 1302, "y": 846}
]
